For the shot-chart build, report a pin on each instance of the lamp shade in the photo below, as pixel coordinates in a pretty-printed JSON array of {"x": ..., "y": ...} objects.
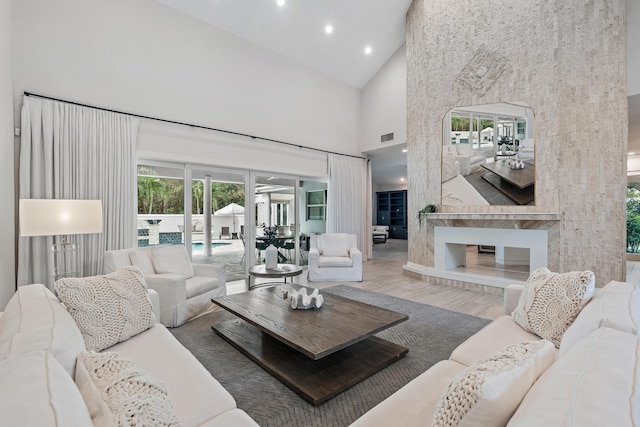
[{"x": 57, "y": 217}]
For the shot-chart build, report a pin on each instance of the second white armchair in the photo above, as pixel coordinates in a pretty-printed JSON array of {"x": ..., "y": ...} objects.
[{"x": 334, "y": 257}]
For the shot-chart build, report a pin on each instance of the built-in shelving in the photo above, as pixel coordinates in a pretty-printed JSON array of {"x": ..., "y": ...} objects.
[{"x": 391, "y": 210}]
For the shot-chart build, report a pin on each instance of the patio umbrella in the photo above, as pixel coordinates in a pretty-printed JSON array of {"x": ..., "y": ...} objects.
[{"x": 231, "y": 210}]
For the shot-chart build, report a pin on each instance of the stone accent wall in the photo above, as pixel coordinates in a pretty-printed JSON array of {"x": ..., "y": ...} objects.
[{"x": 565, "y": 58}]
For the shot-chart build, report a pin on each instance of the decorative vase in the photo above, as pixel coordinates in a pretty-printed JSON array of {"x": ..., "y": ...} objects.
[{"x": 271, "y": 257}]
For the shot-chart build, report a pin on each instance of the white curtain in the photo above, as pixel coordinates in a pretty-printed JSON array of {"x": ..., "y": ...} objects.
[
  {"x": 73, "y": 152},
  {"x": 349, "y": 199}
]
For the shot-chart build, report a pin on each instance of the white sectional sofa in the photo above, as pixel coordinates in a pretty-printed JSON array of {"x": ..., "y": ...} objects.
[
  {"x": 40, "y": 343},
  {"x": 593, "y": 378}
]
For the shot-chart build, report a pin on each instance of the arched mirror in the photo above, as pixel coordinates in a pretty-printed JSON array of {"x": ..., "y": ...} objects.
[{"x": 488, "y": 155}]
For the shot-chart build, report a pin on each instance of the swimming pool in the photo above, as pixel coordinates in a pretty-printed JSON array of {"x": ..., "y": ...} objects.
[{"x": 199, "y": 246}]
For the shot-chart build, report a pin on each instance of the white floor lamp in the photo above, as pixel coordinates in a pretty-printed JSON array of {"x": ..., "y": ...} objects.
[{"x": 61, "y": 217}]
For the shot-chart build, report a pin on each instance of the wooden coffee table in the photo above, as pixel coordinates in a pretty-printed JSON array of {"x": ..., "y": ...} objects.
[
  {"x": 516, "y": 184},
  {"x": 318, "y": 353}
]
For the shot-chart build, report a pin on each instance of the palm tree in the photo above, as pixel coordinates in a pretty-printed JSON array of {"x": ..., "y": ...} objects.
[
  {"x": 198, "y": 194},
  {"x": 148, "y": 187}
]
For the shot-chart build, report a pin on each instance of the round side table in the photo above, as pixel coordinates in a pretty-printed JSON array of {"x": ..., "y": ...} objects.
[{"x": 281, "y": 271}]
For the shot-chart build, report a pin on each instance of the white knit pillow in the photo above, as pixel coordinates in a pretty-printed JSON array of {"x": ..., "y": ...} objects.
[
  {"x": 120, "y": 393},
  {"x": 108, "y": 309},
  {"x": 488, "y": 392},
  {"x": 550, "y": 302}
]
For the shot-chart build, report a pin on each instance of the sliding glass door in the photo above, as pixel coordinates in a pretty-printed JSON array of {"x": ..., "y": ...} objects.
[
  {"x": 215, "y": 220},
  {"x": 221, "y": 215}
]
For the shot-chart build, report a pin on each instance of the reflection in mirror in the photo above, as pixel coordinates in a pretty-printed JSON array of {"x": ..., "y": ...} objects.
[{"x": 488, "y": 155}]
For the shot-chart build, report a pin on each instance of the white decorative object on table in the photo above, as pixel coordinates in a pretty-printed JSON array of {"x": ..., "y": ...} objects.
[
  {"x": 517, "y": 164},
  {"x": 300, "y": 299},
  {"x": 271, "y": 257}
]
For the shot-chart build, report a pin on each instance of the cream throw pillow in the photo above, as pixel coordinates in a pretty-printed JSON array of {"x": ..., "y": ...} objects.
[
  {"x": 37, "y": 391},
  {"x": 335, "y": 245},
  {"x": 108, "y": 309},
  {"x": 616, "y": 306},
  {"x": 488, "y": 392},
  {"x": 465, "y": 149},
  {"x": 118, "y": 392},
  {"x": 141, "y": 258},
  {"x": 172, "y": 259},
  {"x": 550, "y": 302},
  {"x": 35, "y": 320}
]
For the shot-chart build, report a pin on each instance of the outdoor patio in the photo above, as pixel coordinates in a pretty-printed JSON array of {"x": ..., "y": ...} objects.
[{"x": 229, "y": 255}]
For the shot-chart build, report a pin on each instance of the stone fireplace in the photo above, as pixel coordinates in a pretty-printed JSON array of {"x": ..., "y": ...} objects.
[{"x": 568, "y": 77}]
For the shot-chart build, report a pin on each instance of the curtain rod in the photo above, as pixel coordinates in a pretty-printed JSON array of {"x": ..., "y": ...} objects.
[{"x": 190, "y": 125}]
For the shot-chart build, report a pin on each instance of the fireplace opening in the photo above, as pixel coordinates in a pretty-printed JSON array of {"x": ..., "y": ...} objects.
[{"x": 506, "y": 262}]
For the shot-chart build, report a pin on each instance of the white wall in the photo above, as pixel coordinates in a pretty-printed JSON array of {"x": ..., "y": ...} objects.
[
  {"x": 7, "y": 207},
  {"x": 633, "y": 52},
  {"x": 384, "y": 104},
  {"x": 142, "y": 57}
]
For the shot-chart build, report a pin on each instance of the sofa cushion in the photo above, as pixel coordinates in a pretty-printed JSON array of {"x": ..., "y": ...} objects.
[
  {"x": 335, "y": 245},
  {"x": 35, "y": 320},
  {"x": 37, "y": 391},
  {"x": 617, "y": 306},
  {"x": 198, "y": 285},
  {"x": 497, "y": 335},
  {"x": 158, "y": 352},
  {"x": 234, "y": 417},
  {"x": 142, "y": 259},
  {"x": 335, "y": 261},
  {"x": 413, "y": 404},
  {"x": 118, "y": 392},
  {"x": 594, "y": 384},
  {"x": 172, "y": 259},
  {"x": 550, "y": 302},
  {"x": 488, "y": 392},
  {"x": 108, "y": 309}
]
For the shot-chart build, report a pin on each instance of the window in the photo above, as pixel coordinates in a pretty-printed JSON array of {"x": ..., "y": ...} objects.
[
  {"x": 281, "y": 213},
  {"x": 316, "y": 205}
]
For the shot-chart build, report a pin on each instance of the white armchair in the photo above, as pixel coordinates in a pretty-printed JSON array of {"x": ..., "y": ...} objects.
[
  {"x": 185, "y": 289},
  {"x": 380, "y": 233},
  {"x": 334, "y": 257},
  {"x": 526, "y": 150},
  {"x": 468, "y": 158}
]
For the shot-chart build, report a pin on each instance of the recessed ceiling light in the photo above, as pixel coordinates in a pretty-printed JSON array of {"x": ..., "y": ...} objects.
[
  {"x": 280, "y": 3},
  {"x": 402, "y": 179},
  {"x": 328, "y": 29},
  {"x": 404, "y": 150},
  {"x": 367, "y": 50}
]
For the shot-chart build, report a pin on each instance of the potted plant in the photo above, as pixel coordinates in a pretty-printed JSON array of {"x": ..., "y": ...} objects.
[{"x": 427, "y": 209}]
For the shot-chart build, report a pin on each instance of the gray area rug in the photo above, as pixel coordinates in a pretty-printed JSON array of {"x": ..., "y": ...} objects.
[
  {"x": 431, "y": 333},
  {"x": 488, "y": 191}
]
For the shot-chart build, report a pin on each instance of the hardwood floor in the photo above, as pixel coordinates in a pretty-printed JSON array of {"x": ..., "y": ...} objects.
[{"x": 383, "y": 274}]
